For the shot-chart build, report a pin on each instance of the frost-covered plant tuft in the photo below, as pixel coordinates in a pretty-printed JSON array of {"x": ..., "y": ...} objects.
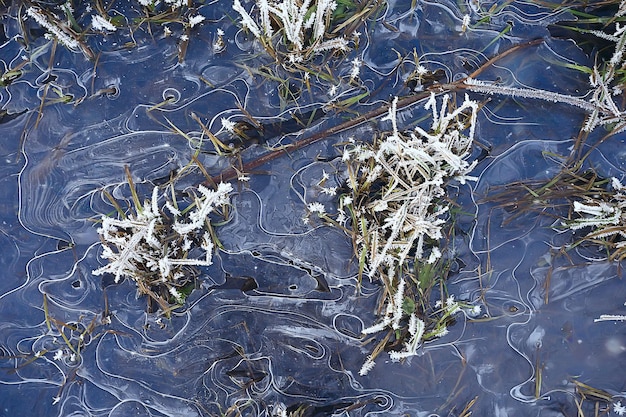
[
  {"x": 398, "y": 211},
  {"x": 158, "y": 246},
  {"x": 302, "y": 26},
  {"x": 412, "y": 169}
]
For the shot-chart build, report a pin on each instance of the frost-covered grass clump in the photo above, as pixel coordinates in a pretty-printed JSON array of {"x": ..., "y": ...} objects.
[
  {"x": 397, "y": 209},
  {"x": 297, "y": 28},
  {"x": 158, "y": 246}
]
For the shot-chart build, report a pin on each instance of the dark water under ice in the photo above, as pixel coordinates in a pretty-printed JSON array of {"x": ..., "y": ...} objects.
[{"x": 291, "y": 341}]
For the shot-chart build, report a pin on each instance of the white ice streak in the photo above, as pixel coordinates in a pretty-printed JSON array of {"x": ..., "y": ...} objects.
[{"x": 610, "y": 317}]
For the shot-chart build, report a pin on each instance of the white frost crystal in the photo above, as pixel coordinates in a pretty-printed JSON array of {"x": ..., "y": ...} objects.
[
  {"x": 100, "y": 23},
  {"x": 204, "y": 206}
]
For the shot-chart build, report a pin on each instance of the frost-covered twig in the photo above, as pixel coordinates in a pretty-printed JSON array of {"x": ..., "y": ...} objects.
[
  {"x": 487, "y": 88},
  {"x": 54, "y": 29},
  {"x": 603, "y": 109},
  {"x": 610, "y": 317}
]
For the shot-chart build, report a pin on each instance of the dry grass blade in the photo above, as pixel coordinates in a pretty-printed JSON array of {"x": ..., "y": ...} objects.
[
  {"x": 466, "y": 412},
  {"x": 590, "y": 393}
]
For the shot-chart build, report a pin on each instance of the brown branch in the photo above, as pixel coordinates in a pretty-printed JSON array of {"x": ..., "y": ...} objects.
[{"x": 232, "y": 173}]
